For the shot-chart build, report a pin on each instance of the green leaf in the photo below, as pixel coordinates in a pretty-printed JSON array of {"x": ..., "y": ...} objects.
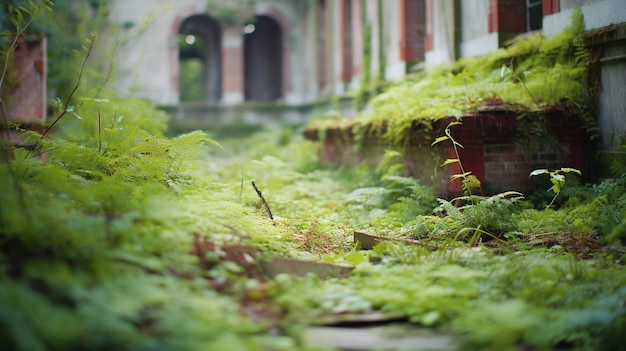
[
  {"x": 457, "y": 176},
  {"x": 449, "y": 161},
  {"x": 568, "y": 170},
  {"x": 558, "y": 178},
  {"x": 440, "y": 139},
  {"x": 538, "y": 172},
  {"x": 355, "y": 258}
]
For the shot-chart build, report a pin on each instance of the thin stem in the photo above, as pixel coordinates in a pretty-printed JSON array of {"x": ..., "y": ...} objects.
[
  {"x": 69, "y": 98},
  {"x": 265, "y": 204},
  {"x": 78, "y": 83},
  {"x": 553, "y": 199},
  {"x": 99, "y": 133},
  {"x": 4, "y": 114},
  {"x": 456, "y": 150}
]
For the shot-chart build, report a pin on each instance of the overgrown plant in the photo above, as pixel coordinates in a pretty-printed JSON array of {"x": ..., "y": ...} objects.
[
  {"x": 470, "y": 184},
  {"x": 482, "y": 223},
  {"x": 531, "y": 74},
  {"x": 557, "y": 178}
]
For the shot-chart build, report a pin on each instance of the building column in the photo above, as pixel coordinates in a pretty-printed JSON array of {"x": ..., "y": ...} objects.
[
  {"x": 232, "y": 66},
  {"x": 428, "y": 41}
]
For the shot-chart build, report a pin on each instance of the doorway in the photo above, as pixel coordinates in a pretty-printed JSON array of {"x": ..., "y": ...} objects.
[
  {"x": 263, "y": 60},
  {"x": 200, "y": 66}
]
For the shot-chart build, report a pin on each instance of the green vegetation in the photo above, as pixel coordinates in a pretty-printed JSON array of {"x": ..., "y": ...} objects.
[
  {"x": 532, "y": 74},
  {"x": 114, "y": 237},
  {"x": 557, "y": 178}
]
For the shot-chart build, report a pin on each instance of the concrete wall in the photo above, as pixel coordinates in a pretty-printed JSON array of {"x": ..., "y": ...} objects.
[
  {"x": 443, "y": 33},
  {"x": 395, "y": 67},
  {"x": 475, "y": 37},
  {"x": 598, "y": 14},
  {"x": 612, "y": 103},
  {"x": 144, "y": 64}
]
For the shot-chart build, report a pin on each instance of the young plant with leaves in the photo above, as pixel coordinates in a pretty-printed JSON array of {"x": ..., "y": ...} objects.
[
  {"x": 557, "y": 178},
  {"x": 486, "y": 216}
]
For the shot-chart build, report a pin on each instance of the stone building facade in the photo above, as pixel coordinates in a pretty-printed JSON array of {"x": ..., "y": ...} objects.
[{"x": 293, "y": 53}]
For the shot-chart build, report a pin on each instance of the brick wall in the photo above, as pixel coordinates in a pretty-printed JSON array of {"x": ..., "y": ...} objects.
[
  {"x": 413, "y": 29},
  {"x": 507, "y": 16},
  {"x": 490, "y": 152},
  {"x": 550, "y": 6},
  {"x": 506, "y": 168},
  {"x": 26, "y": 95}
]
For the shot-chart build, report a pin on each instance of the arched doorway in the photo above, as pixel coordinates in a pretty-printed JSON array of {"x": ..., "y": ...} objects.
[
  {"x": 263, "y": 63},
  {"x": 200, "y": 66}
]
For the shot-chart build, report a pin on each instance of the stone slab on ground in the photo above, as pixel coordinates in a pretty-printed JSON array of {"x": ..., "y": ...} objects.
[{"x": 379, "y": 338}]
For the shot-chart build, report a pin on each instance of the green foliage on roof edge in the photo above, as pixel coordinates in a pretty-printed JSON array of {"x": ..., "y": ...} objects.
[{"x": 531, "y": 74}]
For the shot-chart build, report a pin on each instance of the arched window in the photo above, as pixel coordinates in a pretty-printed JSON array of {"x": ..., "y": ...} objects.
[
  {"x": 199, "y": 75},
  {"x": 263, "y": 60}
]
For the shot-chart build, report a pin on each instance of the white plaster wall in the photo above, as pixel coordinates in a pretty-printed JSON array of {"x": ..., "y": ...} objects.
[
  {"x": 442, "y": 32},
  {"x": 308, "y": 55},
  {"x": 371, "y": 7},
  {"x": 612, "y": 105},
  {"x": 481, "y": 45},
  {"x": 395, "y": 68},
  {"x": 144, "y": 58},
  {"x": 475, "y": 37},
  {"x": 598, "y": 14},
  {"x": 474, "y": 19}
]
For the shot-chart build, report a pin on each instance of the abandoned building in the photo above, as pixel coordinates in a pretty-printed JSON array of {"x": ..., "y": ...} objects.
[
  {"x": 294, "y": 53},
  {"x": 211, "y": 63},
  {"x": 276, "y": 61}
]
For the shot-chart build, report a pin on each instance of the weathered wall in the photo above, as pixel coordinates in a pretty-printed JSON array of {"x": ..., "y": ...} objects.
[
  {"x": 597, "y": 13},
  {"x": 443, "y": 33},
  {"x": 610, "y": 42},
  {"x": 24, "y": 91},
  {"x": 490, "y": 151},
  {"x": 475, "y": 36},
  {"x": 145, "y": 55}
]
